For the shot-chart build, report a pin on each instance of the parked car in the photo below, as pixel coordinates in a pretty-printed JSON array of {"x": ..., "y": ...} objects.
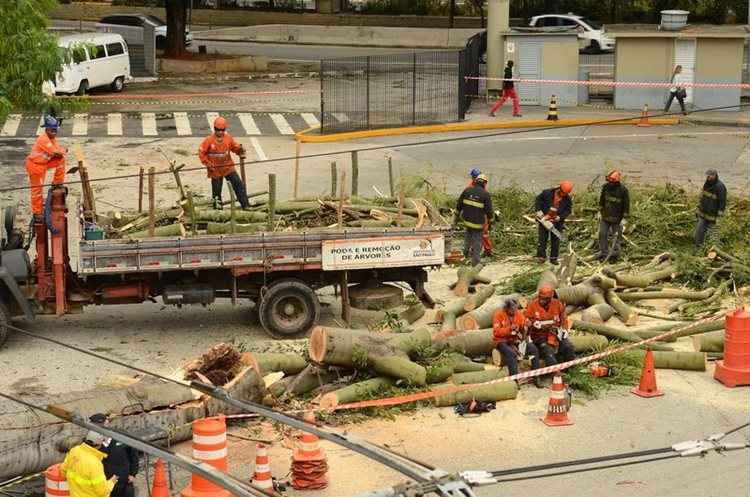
[
  {"x": 591, "y": 36},
  {"x": 131, "y": 27},
  {"x": 99, "y": 59}
]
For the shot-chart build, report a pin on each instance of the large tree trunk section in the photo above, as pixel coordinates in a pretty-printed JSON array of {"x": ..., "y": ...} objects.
[
  {"x": 483, "y": 393},
  {"x": 225, "y": 216},
  {"x": 456, "y": 307},
  {"x": 375, "y": 298},
  {"x": 628, "y": 315},
  {"x": 449, "y": 325},
  {"x": 482, "y": 317},
  {"x": 268, "y": 362},
  {"x": 355, "y": 392},
  {"x": 466, "y": 275},
  {"x": 471, "y": 344},
  {"x": 412, "y": 313},
  {"x": 667, "y": 293},
  {"x": 567, "y": 269},
  {"x": 585, "y": 343},
  {"x": 580, "y": 293},
  {"x": 386, "y": 355},
  {"x": 599, "y": 313},
  {"x": 642, "y": 280},
  {"x": 686, "y": 361},
  {"x": 611, "y": 332},
  {"x": 480, "y": 297},
  {"x": 697, "y": 329},
  {"x": 477, "y": 376},
  {"x": 709, "y": 342},
  {"x": 307, "y": 381}
]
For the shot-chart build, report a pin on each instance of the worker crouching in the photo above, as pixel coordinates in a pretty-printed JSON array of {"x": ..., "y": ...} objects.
[
  {"x": 510, "y": 337},
  {"x": 216, "y": 154},
  {"x": 45, "y": 154},
  {"x": 548, "y": 327},
  {"x": 473, "y": 210}
]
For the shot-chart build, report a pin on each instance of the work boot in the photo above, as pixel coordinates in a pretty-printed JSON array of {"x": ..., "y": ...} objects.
[
  {"x": 553, "y": 261},
  {"x": 492, "y": 114},
  {"x": 517, "y": 115},
  {"x": 601, "y": 258},
  {"x": 538, "y": 382},
  {"x": 541, "y": 259},
  {"x": 487, "y": 253},
  {"x": 217, "y": 204}
]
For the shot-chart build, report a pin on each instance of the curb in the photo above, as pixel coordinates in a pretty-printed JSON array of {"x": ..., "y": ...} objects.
[
  {"x": 305, "y": 137},
  {"x": 714, "y": 122}
]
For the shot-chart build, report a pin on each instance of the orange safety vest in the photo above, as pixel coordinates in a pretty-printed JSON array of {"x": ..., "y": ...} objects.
[
  {"x": 505, "y": 329},
  {"x": 40, "y": 159},
  {"x": 556, "y": 198},
  {"x": 555, "y": 313},
  {"x": 216, "y": 156}
]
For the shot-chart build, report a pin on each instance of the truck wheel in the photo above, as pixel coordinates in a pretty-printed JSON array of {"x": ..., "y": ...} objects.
[
  {"x": 4, "y": 320},
  {"x": 289, "y": 308}
]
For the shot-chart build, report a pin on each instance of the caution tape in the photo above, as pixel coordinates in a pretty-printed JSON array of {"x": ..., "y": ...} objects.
[
  {"x": 223, "y": 94},
  {"x": 415, "y": 397},
  {"x": 617, "y": 84}
]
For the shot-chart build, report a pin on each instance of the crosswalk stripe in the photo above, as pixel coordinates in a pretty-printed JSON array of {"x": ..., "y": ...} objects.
[
  {"x": 310, "y": 119},
  {"x": 148, "y": 122},
  {"x": 280, "y": 122},
  {"x": 80, "y": 124},
  {"x": 40, "y": 130},
  {"x": 249, "y": 124},
  {"x": 258, "y": 149},
  {"x": 211, "y": 117},
  {"x": 114, "y": 124},
  {"x": 342, "y": 118},
  {"x": 182, "y": 123},
  {"x": 10, "y": 128}
]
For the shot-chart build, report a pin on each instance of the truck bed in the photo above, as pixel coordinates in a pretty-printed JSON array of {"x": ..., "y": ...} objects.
[{"x": 298, "y": 251}]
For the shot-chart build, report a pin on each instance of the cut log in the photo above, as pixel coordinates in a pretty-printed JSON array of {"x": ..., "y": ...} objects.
[
  {"x": 302, "y": 383},
  {"x": 177, "y": 229},
  {"x": 495, "y": 392},
  {"x": 268, "y": 362},
  {"x": 375, "y": 298},
  {"x": 628, "y": 315},
  {"x": 482, "y": 317},
  {"x": 387, "y": 355},
  {"x": 290, "y": 207},
  {"x": 449, "y": 323},
  {"x": 471, "y": 344},
  {"x": 641, "y": 280},
  {"x": 477, "y": 376},
  {"x": 607, "y": 331},
  {"x": 466, "y": 275},
  {"x": 371, "y": 223},
  {"x": 456, "y": 307},
  {"x": 668, "y": 293},
  {"x": 480, "y": 297},
  {"x": 599, "y": 313},
  {"x": 355, "y": 392},
  {"x": 580, "y": 293},
  {"x": 698, "y": 328},
  {"x": 412, "y": 313},
  {"x": 567, "y": 269},
  {"x": 687, "y": 361},
  {"x": 226, "y": 228},
  {"x": 547, "y": 278},
  {"x": 225, "y": 216},
  {"x": 709, "y": 342},
  {"x": 588, "y": 342}
]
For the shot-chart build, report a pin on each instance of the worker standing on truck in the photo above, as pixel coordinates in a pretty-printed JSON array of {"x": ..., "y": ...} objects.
[
  {"x": 713, "y": 201},
  {"x": 215, "y": 153},
  {"x": 614, "y": 207},
  {"x": 121, "y": 461},
  {"x": 548, "y": 326},
  {"x": 554, "y": 205},
  {"x": 486, "y": 241},
  {"x": 45, "y": 154},
  {"x": 510, "y": 337},
  {"x": 473, "y": 209},
  {"x": 84, "y": 471}
]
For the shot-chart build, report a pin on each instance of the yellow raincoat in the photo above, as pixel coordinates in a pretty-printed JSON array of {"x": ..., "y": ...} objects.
[{"x": 84, "y": 471}]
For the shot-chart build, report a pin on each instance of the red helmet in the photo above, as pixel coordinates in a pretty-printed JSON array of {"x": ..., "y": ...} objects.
[
  {"x": 220, "y": 123},
  {"x": 566, "y": 186},
  {"x": 614, "y": 176},
  {"x": 546, "y": 291}
]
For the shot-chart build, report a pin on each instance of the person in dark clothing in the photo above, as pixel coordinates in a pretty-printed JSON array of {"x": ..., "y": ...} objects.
[
  {"x": 474, "y": 207},
  {"x": 553, "y": 204},
  {"x": 509, "y": 91},
  {"x": 676, "y": 91},
  {"x": 713, "y": 201},
  {"x": 121, "y": 461},
  {"x": 614, "y": 207}
]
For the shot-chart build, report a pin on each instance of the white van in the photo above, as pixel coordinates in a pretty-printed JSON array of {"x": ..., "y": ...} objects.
[{"x": 107, "y": 64}]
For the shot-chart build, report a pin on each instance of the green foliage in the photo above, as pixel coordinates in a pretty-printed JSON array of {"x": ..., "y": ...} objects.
[
  {"x": 627, "y": 371},
  {"x": 29, "y": 56},
  {"x": 390, "y": 322},
  {"x": 523, "y": 282}
]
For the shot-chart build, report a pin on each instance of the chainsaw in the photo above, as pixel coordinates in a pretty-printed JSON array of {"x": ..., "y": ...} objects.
[{"x": 549, "y": 226}]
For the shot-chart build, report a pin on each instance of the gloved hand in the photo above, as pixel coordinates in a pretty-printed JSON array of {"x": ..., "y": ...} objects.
[
  {"x": 556, "y": 219},
  {"x": 539, "y": 214},
  {"x": 562, "y": 333},
  {"x": 537, "y": 325},
  {"x": 624, "y": 224},
  {"x": 57, "y": 155}
]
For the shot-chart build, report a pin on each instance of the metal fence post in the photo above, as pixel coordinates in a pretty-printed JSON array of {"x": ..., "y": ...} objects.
[
  {"x": 414, "y": 89},
  {"x": 367, "y": 74},
  {"x": 322, "y": 102},
  {"x": 461, "y": 84}
]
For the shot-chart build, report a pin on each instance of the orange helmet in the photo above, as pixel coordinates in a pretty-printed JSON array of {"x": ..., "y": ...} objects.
[
  {"x": 220, "y": 123},
  {"x": 546, "y": 291},
  {"x": 614, "y": 176},
  {"x": 566, "y": 186}
]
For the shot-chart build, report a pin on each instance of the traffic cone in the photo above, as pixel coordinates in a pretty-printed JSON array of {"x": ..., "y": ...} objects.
[
  {"x": 262, "y": 475},
  {"x": 558, "y": 407},
  {"x": 647, "y": 386},
  {"x": 552, "y": 112},
  {"x": 160, "y": 487},
  {"x": 644, "y": 123},
  {"x": 309, "y": 464}
]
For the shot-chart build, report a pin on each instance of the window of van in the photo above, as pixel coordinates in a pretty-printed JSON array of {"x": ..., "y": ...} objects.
[
  {"x": 98, "y": 52},
  {"x": 115, "y": 49}
]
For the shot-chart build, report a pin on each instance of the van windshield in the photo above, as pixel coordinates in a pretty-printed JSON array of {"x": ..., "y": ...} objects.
[{"x": 592, "y": 23}]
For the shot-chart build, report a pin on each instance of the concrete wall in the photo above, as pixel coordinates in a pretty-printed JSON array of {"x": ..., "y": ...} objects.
[
  {"x": 343, "y": 35},
  {"x": 645, "y": 60},
  {"x": 560, "y": 61},
  {"x": 718, "y": 61}
]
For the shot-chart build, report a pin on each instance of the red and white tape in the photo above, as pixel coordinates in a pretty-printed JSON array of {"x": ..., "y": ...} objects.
[
  {"x": 415, "y": 397},
  {"x": 223, "y": 94},
  {"x": 617, "y": 84}
]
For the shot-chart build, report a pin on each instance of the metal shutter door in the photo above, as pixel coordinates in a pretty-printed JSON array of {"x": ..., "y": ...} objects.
[
  {"x": 529, "y": 67},
  {"x": 684, "y": 55}
]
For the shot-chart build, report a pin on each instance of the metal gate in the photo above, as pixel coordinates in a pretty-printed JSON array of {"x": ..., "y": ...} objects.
[
  {"x": 684, "y": 55},
  {"x": 529, "y": 67}
]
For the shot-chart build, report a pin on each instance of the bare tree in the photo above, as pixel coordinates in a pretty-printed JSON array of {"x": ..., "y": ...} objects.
[{"x": 176, "y": 23}]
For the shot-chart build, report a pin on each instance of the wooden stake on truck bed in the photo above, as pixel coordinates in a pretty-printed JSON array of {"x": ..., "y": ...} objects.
[
  {"x": 191, "y": 212},
  {"x": 334, "y": 174},
  {"x": 297, "y": 151},
  {"x": 346, "y": 310},
  {"x": 151, "y": 201},
  {"x": 89, "y": 207},
  {"x": 140, "y": 190},
  {"x": 232, "y": 213},
  {"x": 242, "y": 171},
  {"x": 271, "y": 200},
  {"x": 178, "y": 181},
  {"x": 390, "y": 177},
  {"x": 355, "y": 174},
  {"x": 342, "y": 196}
]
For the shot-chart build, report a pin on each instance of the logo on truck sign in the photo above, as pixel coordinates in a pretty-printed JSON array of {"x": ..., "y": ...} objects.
[{"x": 365, "y": 253}]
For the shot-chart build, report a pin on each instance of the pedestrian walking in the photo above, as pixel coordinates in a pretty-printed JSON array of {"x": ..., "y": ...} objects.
[
  {"x": 614, "y": 208},
  {"x": 473, "y": 208},
  {"x": 711, "y": 205},
  {"x": 84, "y": 471},
  {"x": 509, "y": 91},
  {"x": 676, "y": 91},
  {"x": 552, "y": 204},
  {"x": 121, "y": 461}
]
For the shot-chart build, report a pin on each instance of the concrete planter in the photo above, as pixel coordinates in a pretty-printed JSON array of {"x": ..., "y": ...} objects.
[{"x": 239, "y": 64}]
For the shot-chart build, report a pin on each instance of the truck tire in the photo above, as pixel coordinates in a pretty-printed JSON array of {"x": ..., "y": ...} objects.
[
  {"x": 288, "y": 309},
  {"x": 4, "y": 320}
]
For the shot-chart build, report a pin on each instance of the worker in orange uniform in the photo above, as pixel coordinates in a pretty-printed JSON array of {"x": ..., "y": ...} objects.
[
  {"x": 215, "y": 153},
  {"x": 486, "y": 241},
  {"x": 553, "y": 204},
  {"x": 45, "y": 154},
  {"x": 84, "y": 470},
  {"x": 548, "y": 327},
  {"x": 510, "y": 337}
]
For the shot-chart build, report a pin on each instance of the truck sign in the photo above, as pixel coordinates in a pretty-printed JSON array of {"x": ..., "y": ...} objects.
[{"x": 401, "y": 251}]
